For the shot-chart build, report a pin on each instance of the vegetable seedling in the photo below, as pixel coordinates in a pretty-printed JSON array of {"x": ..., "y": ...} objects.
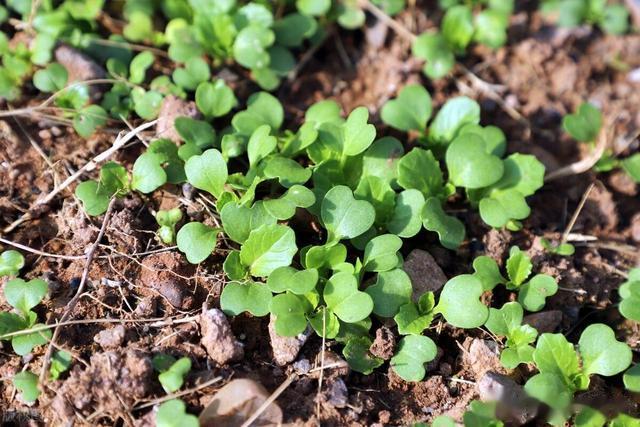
[
  {"x": 10, "y": 263},
  {"x": 507, "y": 322},
  {"x": 173, "y": 413},
  {"x": 629, "y": 293},
  {"x": 172, "y": 371},
  {"x": 167, "y": 221}
]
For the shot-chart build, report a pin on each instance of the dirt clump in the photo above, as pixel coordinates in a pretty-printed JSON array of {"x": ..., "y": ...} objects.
[
  {"x": 167, "y": 273},
  {"x": 217, "y": 337}
]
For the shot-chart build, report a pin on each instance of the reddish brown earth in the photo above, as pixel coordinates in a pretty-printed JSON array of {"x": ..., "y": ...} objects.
[{"x": 543, "y": 72}]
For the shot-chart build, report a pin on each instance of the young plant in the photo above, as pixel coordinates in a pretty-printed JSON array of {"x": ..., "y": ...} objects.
[
  {"x": 507, "y": 322},
  {"x": 532, "y": 293},
  {"x": 10, "y": 263},
  {"x": 461, "y": 25},
  {"x": 629, "y": 293},
  {"x": 584, "y": 125},
  {"x": 562, "y": 249},
  {"x": 563, "y": 370},
  {"x": 26, "y": 382},
  {"x": 167, "y": 221},
  {"x": 172, "y": 371},
  {"x": 611, "y": 18},
  {"x": 173, "y": 413},
  {"x": 23, "y": 296}
]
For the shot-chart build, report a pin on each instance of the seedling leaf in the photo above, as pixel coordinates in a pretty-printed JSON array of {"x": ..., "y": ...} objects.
[
  {"x": 460, "y": 302},
  {"x": 410, "y": 110},
  {"x": 239, "y": 297},
  {"x": 267, "y": 248},
  {"x": 197, "y": 241},
  {"x": 413, "y": 352},
  {"x": 601, "y": 353},
  {"x": 10, "y": 263},
  {"x": 345, "y": 300},
  {"x": 357, "y": 354}
]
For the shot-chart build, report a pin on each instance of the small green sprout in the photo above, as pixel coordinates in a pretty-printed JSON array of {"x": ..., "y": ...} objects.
[
  {"x": 563, "y": 371},
  {"x": 344, "y": 216},
  {"x": 10, "y": 263},
  {"x": 611, "y": 18},
  {"x": 167, "y": 221},
  {"x": 412, "y": 318},
  {"x": 60, "y": 362},
  {"x": 343, "y": 298},
  {"x": 391, "y": 291},
  {"x": 631, "y": 378},
  {"x": 252, "y": 297},
  {"x": 584, "y": 125},
  {"x": 562, "y": 249},
  {"x": 481, "y": 414},
  {"x": 356, "y": 353},
  {"x": 172, "y": 413},
  {"x": 460, "y": 302},
  {"x": 172, "y": 371},
  {"x": 413, "y": 352},
  {"x": 95, "y": 195},
  {"x": 197, "y": 241},
  {"x": 213, "y": 99},
  {"x": 23, "y": 296},
  {"x": 589, "y": 417},
  {"x": 27, "y": 383},
  {"x": 629, "y": 293},
  {"x": 507, "y": 322}
]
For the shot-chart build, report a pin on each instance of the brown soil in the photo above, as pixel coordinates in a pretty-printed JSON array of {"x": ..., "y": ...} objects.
[{"x": 545, "y": 73}]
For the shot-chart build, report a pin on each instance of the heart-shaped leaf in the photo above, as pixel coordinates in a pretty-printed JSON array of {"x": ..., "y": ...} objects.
[
  {"x": 23, "y": 344},
  {"x": 51, "y": 79},
  {"x": 289, "y": 279},
  {"x": 453, "y": 115},
  {"x": 556, "y": 356},
  {"x": 285, "y": 207},
  {"x": 88, "y": 119},
  {"x": 267, "y": 248},
  {"x": 457, "y": 27},
  {"x": 410, "y": 110},
  {"x": 381, "y": 159},
  {"x": 238, "y": 221},
  {"x": 357, "y": 354},
  {"x": 549, "y": 389},
  {"x": 486, "y": 269},
  {"x": 173, "y": 413},
  {"x": 148, "y": 173},
  {"x": 197, "y": 241},
  {"x": 631, "y": 378},
  {"x": 326, "y": 256},
  {"x": 460, "y": 302},
  {"x": 290, "y": 311},
  {"x": 630, "y": 293},
  {"x": 406, "y": 220},
  {"x": 249, "y": 48},
  {"x": 289, "y": 172},
  {"x": 23, "y": 296},
  {"x": 631, "y": 165},
  {"x": 532, "y": 294},
  {"x": 439, "y": 57},
  {"x": 345, "y": 300},
  {"x": 344, "y": 216},
  {"x": 413, "y": 352},
  {"x": 503, "y": 207},
  {"x": 469, "y": 163},
  {"x": 196, "y": 132},
  {"x": 207, "y": 172},
  {"x": 233, "y": 267},
  {"x": 10, "y": 263},
  {"x": 381, "y": 253},
  {"x": 601, "y": 353},
  {"x": 584, "y": 124},
  {"x": 195, "y": 71},
  {"x": 262, "y": 109},
  {"x": 494, "y": 139},
  {"x": 420, "y": 170},
  {"x": 252, "y": 297},
  {"x": 450, "y": 229},
  {"x": 215, "y": 99},
  {"x": 379, "y": 194},
  {"x": 173, "y": 378},
  {"x": 27, "y": 383},
  {"x": 357, "y": 133},
  {"x": 325, "y": 323},
  {"x": 391, "y": 291},
  {"x": 261, "y": 144},
  {"x": 413, "y": 319}
]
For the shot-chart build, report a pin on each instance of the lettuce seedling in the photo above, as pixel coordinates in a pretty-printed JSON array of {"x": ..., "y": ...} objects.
[
  {"x": 343, "y": 216},
  {"x": 207, "y": 172},
  {"x": 631, "y": 378},
  {"x": 10, "y": 263},
  {"x": 356, "y": 353},
  {"x": 409, "y": 111},
  {"x": 23, "y": 296},
  {"x": 238, "y": 297},
  {"x": 450, "y": 229},
  {"x": 584, "y": 125},
  {"x": 60, "y": 362},
  {"x": 167, "y": 221},
  {"x": 172, "y": 413},
  {"x": 391, "y": 291},
  {"x": 589, "y": 417},
  {"x": 214, "y": 99},
  {"x": 562, "y": 249},
  {"x": 460, "y": 302},
  {"x": 413, "y": 352},
  {"x": 95, "y": 195},
  {"x": 172, "y": 371},
  {"x": 343, "y": 298},
  {"x": 563, "y": 371},
  {"x": 412, "y": 318},
  {"x": 26, "y": 382},
  {"x": 629, "y": 293},
  {"x": 197, "y": 241},
  {"x": 611, "y": 18},
  {"x": 290, "y": 311},
  {"x": 507, "y": 322}
]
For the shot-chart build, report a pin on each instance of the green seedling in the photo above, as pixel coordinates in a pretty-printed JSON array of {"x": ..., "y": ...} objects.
[
  {"x": 532, "y": 293},
  {"x": 60, "y": 363},
  {"x": 95, "y": 195},
  {"x": 562, "y": 249},
  {"x": 413, "y": 352},
  {"x": 197, "y": 241},
  {"x": 172, "y": 371},
  {"x": 167, "y": 221},
  {"x": 629, "y": 293},
  {"x": 172, "y": 413},
  {"x": 345, "y": 217},
  {"x": 10, "y": 263},
  {"x": 481, "y": 414},
  {"x": 343, "y": 298},
  {"x": 290, "y": 311},
  {"x": 412, "y": 318},
  {"x": 623, "y": 420},
  {"x": 356, "y": 353},
  {"x": 251, "y": 297},
  {"x": 589, "y": 417},
  {"x": 611, "y": 18},
  {"x": 459, "y": 28},
  {"x": 213, "y": 99},
  {"x": 460, "y": 302},
  {"x": 23, "y": 296},
  {"x": 507, "y": 322},
  {"x": 26, "y": 382},
  {"x": 563, "y": 370},
  {"x": 631, "y": 379},
  {"x": 391, "y": 291}
]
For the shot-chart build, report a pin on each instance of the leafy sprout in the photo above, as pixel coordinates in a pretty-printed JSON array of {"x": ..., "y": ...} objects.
[
  {"x": 507, "y": 322},
  {"x": 10, "y": 263},
  {"x": 172, "y": 371},
  {"x": 167, "y": 220},
  {"x": 172, "y": 413}
]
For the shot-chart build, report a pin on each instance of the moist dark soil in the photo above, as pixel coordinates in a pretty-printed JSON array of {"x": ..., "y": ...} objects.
[{"x": 543, "y": 73}]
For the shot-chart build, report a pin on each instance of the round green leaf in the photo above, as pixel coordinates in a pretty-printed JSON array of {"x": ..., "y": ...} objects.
[
  {"x": 254, "y": 298},
  {"x": 460, "y": 302},
  {"x": 391, "y": 291},
  {"x": 10, "y": 263},
  {"x": 343, "y": 298},
  {"x": 289, "y": 279},
  {"x": 469, "y": 163},
  {"x": 439, "y": 57},
  {"x": 207, "y": 172},
  {"x": 410, "y": 110},
  {"x": 267, "y": 248},
  {"x": 413, "y": 352},
  {"x": 25, "y": 295},
  {"x": 290, "y": 312},
  {"x": 532, "y": 294},
  {"x": 453, "y": 115},
  {"x": 344, "y": 216},
  {"x": 450, "y": 229},
  {"x": 601, "y": 353},
  {"x": 197, "y": 241},
  {"x": 215, "y": 99}
]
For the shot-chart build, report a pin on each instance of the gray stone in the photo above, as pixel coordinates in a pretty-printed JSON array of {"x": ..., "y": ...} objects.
[
  {"x": 545, "y": 321},
  {"x": 286, "y": 349},
  {"x": 425, "y": 273},
  {"x": 514, "y": 406},
  {"x": 217, "y": 337}
]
